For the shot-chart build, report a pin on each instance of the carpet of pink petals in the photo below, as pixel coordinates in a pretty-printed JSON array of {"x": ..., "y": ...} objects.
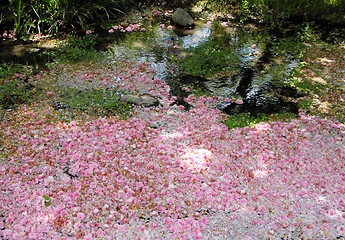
[{"x": 167, "y": 173}]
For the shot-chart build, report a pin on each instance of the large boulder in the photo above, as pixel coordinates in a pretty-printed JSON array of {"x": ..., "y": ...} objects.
[{"x": 181, "y": 18}]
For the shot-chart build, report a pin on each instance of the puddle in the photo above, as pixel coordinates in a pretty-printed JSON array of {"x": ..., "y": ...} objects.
[{"x": 25, "y": 53}]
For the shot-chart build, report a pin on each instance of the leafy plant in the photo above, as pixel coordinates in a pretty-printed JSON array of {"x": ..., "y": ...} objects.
[
  {"x": 207, "y": 59},
  {"x": 46, "y": 200},
  {"x": 244, "y": 11},
  {"x": 7, "y": 69},
  {"x": 79, "y": 14},
  {"x": 18, "y": 16},
  {"x": 99, "y": 102},
  {"x": 306, "y": 32},
  {"x": 286, "y": 45},
  {"x": 13, "y": 92},
  {"x": 77, "y": 48},
  {"x": 51, "y": 16},
  {"x": 305, "y": 104}
]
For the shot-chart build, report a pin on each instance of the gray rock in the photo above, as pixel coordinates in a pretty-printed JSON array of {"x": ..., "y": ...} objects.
[
  {"x": 145, "y": 100},
  {"x": 182, "y": 18}
]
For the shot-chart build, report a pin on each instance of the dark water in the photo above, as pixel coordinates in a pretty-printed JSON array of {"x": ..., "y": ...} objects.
[{"x": 25, "y": 53}]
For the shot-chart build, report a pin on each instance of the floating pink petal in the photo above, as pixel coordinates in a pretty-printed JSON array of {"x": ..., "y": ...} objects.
[{"x": 239, "y": 101}]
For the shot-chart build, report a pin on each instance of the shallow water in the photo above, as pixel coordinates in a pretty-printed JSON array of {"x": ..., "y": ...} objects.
[
  {"x": 251, "y": 72},
  {"x": 25, "y": 53}
]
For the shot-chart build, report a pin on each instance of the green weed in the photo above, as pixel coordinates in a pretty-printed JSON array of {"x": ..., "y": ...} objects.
[
  {"x": 96, "y": 102},
  {"x": 207, "y": 59},
  {"x": 77, "y": 48},
  {"x": 13, "y": 93},
  {"x": 246, "y": 119},
  {"x": 53, "y": 16},
  {"x": 8, "y": 69}
]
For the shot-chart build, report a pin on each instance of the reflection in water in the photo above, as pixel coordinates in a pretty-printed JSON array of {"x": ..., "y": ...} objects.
[
  {"x": 23, "y": 53},
  {"x": 251, "y": 82},
  {"x": 200, "y": 35}
]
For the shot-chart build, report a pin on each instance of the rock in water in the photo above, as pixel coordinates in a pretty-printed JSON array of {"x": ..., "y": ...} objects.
[
  {"x": 182, "y": 18},
  {"x": 145, "y": 100}
]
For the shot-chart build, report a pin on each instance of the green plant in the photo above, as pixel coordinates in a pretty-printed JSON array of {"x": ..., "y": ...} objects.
[
  {"x": 286, "y": 45},
  {"x": 7, "y": 69},
  {"x": 306, "y": 33},
  {"x": 77, "y": 48},
  {"x": 46, "y": 200},
  {"x": 305, "y": 104},
  {"x": 13, "y": 92},
  {"x": 207, "y": 59},
  {"x": 79, "y": 14},
  {"x": 244, "y": 10},
  {"x": 18, "y": 15},
  {"x": 51, "y": 16},
  {"x": 246, "y": 119},
  {"x": 99, "y": 102}
]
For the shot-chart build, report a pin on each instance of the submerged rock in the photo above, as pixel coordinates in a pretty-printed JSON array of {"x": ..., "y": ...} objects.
[
  {"x": 182, "y": 18},
  {"x": 145, "y": 100}
]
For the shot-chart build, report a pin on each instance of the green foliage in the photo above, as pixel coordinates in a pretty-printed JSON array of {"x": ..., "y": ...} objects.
[
  {"x": 12, "y": 93},
  {"x": 305, "y": 104},
  {"x": 51, "y": 16},
  {"x": 97, "y": 102},
  {"x": 275, "y": 13},
  {"x": 79, "y": 14},
  {"x": 306, "y": 33},
  {"x": 77, "y": 48},
  {"x": 246, "y": 119},
  {"x": 7, "y": 69},
  {"x": 332, "y": 10},
  {"x": 207, "y": 59},
  {"x": 285, "y": 45},
  {"x": 17, "y": 17},
  {"x": 46, "y": 200},
  {"x": 245, "y": 10}
]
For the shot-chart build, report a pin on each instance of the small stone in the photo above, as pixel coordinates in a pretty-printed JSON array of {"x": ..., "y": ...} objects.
[{"x": 145, "y": 100}]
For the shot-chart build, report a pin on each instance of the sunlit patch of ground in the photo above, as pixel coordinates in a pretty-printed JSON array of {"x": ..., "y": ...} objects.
[{"x": 323, "y": 75}]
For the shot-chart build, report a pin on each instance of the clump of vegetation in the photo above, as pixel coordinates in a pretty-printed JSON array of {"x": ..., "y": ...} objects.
[
  {"x": 8, "y": 69},
  {"x": 277, "y": 13},
  {"x": 246, "y": 119},
  {"x": 77, "y": 48},
  {"x": 207, "y": 59},
  {"x": 96, "y": 102},
  {"x": 14, "y": 90},
  {"x": 53, "y": 16}
]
